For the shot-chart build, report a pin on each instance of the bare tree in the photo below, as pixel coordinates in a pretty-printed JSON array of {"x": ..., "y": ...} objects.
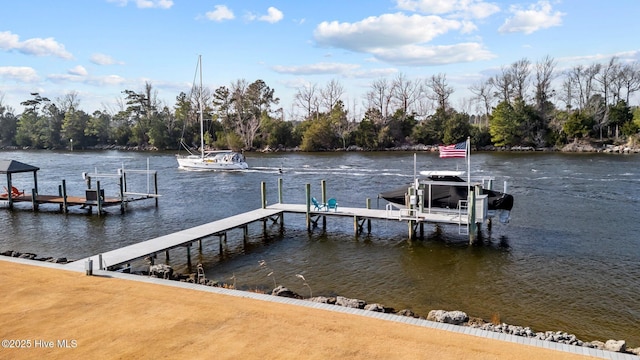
[
  {"x": 69, "y": 101},
  {"x": 405, "y": 92},
  {"x": 307, "y": 98},
  {"x": 581, "y": 80},
  {"x": 542, "y": 83},
  {"x": 331, "y": 94},
  {"x": 483, "y": 92},
  {"x": 606, "y": 79},
  {"x": 379, "y": 96},
  {"x": 566, "y": 94},
  {"x": 520, "y": 72},
  {"x": 628, "y": 79},
  {"x": 440, "y": 90},
  {"x": 504, "y": 84}
]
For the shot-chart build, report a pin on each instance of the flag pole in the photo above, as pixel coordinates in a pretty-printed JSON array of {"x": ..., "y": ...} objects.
[{"x": 468, "y": 161}]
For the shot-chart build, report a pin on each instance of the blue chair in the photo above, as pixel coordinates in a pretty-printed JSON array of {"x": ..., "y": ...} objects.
[
  {"x": 332, "y": 204},
  {"x": 316, "y": 205}
]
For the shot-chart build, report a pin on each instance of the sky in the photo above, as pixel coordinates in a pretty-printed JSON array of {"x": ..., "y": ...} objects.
[{"x": 99, "y": 48}]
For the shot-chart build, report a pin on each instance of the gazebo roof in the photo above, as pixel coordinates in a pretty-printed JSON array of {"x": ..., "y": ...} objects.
[{"x": 12, "y": 166}]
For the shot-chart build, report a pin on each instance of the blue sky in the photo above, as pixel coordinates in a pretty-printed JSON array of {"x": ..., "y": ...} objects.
[{"x": 98, "y": 48}]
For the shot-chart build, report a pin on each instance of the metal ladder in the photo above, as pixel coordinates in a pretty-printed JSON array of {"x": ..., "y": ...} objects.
[{"x": 463, "y": 209}]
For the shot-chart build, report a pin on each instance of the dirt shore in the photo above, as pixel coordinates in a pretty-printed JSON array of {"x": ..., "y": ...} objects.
[{"x": 111, "y": 318}]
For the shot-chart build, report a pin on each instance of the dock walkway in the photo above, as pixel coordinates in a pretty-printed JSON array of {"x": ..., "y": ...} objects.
[
  {"x": 166, "y": 242},
  {"x": 185, "y": 237},
  {"x": 446, "y": 217}
]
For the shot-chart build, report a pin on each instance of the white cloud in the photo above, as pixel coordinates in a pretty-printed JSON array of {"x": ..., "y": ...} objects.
[
  {"x": 314, "y": 69},
  {"x": 413, "y": 55},
  {"x": 385, "y": 31},
  {"x": 78, "y": 70},
  {"x": 103, "y": 59},
  {"x": 18, "y": 73},
  {"x": 476, "y": 9},
  {"x": 273, "y": 15},
  {"x": 220, "y": 13},
  {"x": 33, "y": 46},
  {"x": 146, "y": 4},
  {"x": 537, "y": 16}
]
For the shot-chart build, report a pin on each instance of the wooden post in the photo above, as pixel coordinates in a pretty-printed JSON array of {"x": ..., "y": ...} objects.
[
  {"x": 412, "y": 192},
  {"x": 60, "y": 195},
  {"x": 189, "y": 257},
  {"x": 280, "y": 190},
  {"x": 355, "y": 225},
  {"x": 155, "y": 186},
  {"x": 263, "y": 190},
  {"x": 34, "y": 199},
  {"x": 200, "y": 245},
  {"x": 9, "y": 192},
  {"x": 122, "y": 201},
  {"x": 369, "y": 220},
  {"x": 323, "y": 185},
  {"x": 98, "y": 197},
  {"x": 472, "y": 216},
  {"x": 65, "y": 205},
  {"x": 166, "y": 256},
  {"x": 308, "y": 203},
  {"x": 245, "y": 235},
  {"x": 35, "y": 180}
]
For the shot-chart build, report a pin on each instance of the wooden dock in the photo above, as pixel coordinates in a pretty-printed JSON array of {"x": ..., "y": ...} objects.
[
  {"x": 127, "y": 254},
  {"x": 185, "y": 237},
  {"x": 83, "y": 202}
]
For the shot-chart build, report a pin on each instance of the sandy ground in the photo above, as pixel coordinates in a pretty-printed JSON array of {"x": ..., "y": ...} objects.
[{"x": 110, "y": 318}]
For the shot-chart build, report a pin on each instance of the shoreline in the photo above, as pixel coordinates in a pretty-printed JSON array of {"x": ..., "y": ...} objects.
[
  {"x": 455, "y": 317},
  {"x": 574, "y": 147}
]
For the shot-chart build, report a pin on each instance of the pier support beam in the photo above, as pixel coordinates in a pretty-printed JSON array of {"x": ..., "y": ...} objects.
[{"x": 279, "y": 190}]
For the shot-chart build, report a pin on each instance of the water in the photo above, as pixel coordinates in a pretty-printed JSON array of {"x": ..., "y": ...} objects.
[{"x": 567, "y": 261}]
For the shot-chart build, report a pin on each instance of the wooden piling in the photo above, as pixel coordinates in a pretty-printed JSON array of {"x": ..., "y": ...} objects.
[
  {"x": 34, "y": 199},
  {"x": 155, "y": 186},
  {"x": 368, "y": 202},
  {"x": 323, "y": 186},
  {"x": 308, "y": 203},
  {"x": 98, "y": 197},
  {"x": 472, "y": 216},
  {"x": 279, "y": 190},
  {"x": 65, "y": 205},
  {"x": 263, "y": 192}
]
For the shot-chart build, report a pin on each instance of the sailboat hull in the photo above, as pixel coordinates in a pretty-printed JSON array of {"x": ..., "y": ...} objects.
[{"x": 197, "y": 163}]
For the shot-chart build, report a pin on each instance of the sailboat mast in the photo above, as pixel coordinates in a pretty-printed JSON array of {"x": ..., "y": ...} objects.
[{"x": 201, "y": 110}]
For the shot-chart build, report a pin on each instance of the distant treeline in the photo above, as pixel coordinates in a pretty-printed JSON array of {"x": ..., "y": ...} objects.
[{"x": 516, "y": 107}]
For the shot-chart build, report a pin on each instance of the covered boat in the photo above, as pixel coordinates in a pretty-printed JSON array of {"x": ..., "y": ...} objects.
[{"x": 446, "y": 190}]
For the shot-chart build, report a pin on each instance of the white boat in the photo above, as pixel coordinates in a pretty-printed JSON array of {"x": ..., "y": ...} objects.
[
  {"x": 213, "y": 160},
  {"x": 216, "y": 160}
]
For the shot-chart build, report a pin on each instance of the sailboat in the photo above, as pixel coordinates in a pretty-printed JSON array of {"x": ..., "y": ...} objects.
[{"x": 216, "y": 160}]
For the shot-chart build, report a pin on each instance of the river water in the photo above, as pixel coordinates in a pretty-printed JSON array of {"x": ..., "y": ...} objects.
[{"x": 568, "y": 260}]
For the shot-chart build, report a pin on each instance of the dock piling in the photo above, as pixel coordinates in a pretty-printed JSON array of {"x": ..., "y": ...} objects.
[{"x": 263, "y": 192}]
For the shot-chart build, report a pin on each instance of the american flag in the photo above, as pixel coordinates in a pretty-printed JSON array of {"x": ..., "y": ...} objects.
[{"x": 458, "y": 150}]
